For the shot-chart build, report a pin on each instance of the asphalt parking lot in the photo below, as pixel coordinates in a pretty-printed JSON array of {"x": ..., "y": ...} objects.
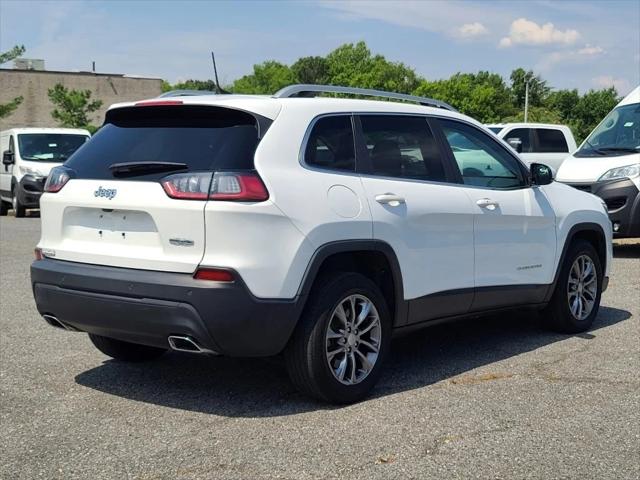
[{"x": 497, "y": 397}]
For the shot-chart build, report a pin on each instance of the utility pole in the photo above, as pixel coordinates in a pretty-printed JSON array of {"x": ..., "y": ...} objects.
[{"x": 526, "y": 98}]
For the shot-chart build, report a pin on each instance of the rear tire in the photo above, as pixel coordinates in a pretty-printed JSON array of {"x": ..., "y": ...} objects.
[
  {"x": 338, "y": 348},
  {"x": 576, "y": 299},
  {"x": 18, "y": 208},
  {"x": 125, "y": 351}
]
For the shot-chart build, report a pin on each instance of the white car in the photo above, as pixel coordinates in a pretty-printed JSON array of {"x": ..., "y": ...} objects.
[
  {"x": 608, "y": 165},
  {"x": 28, "y": 155},
  {"x": 545, "y": 143},
  {"x": 317, "y": 227}
]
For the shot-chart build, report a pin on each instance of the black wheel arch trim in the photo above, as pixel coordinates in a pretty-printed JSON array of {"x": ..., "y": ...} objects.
[
  {"x": 346, "y": 246},
  {"x": 571, "y": 235}
]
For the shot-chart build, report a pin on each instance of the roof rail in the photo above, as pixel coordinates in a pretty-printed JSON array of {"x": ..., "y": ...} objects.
[
  {"x": 186, "y": 93},
  {"x": 303, "y": 90}
]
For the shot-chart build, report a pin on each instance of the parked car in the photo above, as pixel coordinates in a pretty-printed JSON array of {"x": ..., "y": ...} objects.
[
  {"x": 607, "y": 164},
  {"x": 316, "y": 227},
  {"x": 28, "y": 155},
  {"x": 537, "y": 142}
]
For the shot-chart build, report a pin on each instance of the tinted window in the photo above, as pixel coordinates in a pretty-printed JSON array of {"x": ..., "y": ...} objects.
[
  {"x": 521, "y": 134},
  {"x": 49, "y": 147},
  {"x": 481, "y": 160},
  {"x": 330, "y": 144},
  {"x": 402, "y": 146},
  {"x": 550, "y": 141},
  {"x": 204, "y": 138}
]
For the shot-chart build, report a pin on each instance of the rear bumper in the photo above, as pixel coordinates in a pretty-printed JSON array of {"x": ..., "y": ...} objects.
[
  {"x": 147, "y": 307},
  {"x": 29, "y": 190},
  {"x": 623, "y": 204}
]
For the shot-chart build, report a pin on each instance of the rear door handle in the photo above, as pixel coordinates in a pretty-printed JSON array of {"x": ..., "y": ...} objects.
[
  {"x": 390, "y": 199},
  {"x": 487, "y": 203}
]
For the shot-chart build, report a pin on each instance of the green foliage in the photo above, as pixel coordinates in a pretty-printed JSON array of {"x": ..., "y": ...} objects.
[
  {"x": 484, "y": 95},
  {"x": 267, "y": 78},
  {"x": 12, "y": 54},
  {"x": 73, "y": 106},
  {"x": 538, "y": 88},
  {"x": 7, "y": 109},
  {"x": 314, "y": 70}
]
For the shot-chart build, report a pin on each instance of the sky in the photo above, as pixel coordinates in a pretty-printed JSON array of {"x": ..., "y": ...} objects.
[{"x": 572, "y": 44}]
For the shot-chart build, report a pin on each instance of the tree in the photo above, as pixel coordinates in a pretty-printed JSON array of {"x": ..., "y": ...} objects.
[
  {"x": 267, "y": 78},
  {"x": 538, "y": 88},
  {"x": 73, "y": 107},
  {"x": 313, "y": 70},
  {"x": 482, "y": 95},
  {"x": 7, "y": 109},
  {"x": 208, "y": 85}
]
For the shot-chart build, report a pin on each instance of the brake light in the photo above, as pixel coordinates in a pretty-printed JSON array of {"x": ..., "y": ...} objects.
[
  {"x": 187, "y": 186},
  {"x": 214, "y": 275},
  {"x": 158, "y": 103},
  {"x": 38, "y": 254},
  {"x": 58, "y": 178},
  {"x": 244, "y": 187},
  {"x": 230, "y": 186}
]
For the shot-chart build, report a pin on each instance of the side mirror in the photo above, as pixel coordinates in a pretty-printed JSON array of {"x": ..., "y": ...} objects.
[
  {"x": 541, "y": 174},
  {"x": 8, "y": 157},
  {"x": 515, "y": 143}
]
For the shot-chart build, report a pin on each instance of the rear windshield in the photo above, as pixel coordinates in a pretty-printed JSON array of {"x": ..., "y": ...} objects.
[
  {"x": 49, "y": 147},
  {"x": 202, "y": 138}
]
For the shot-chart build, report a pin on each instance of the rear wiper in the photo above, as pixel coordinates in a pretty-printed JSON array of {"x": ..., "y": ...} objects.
[{"x": 140, "y": 168}]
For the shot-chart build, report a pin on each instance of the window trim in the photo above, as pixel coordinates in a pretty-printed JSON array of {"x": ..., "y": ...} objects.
[
  {"x": 307, "y": 135},
  {"x": 526, "y": 174}
]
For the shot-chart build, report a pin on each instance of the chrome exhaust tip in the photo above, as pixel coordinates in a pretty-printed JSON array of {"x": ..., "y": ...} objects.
[
  {"x": 54, "y": 322},
  {"x": 187, "y": 344}
]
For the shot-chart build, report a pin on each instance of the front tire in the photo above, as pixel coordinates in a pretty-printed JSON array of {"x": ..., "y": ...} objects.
[
  {"x": 338, "y": 348},
  {"x": 125, "y": 351},
  {"x": 576, "y": 299},
  {"x": 18, "y": 208}
]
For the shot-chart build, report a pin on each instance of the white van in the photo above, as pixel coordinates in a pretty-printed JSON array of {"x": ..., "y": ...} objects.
[
  {"x": 28, "y": 154},
  {"x": 545, "y": 143},
  {"x": 607, "y": 164}
]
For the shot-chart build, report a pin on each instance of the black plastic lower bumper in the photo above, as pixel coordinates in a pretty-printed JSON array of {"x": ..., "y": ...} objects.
[
  {"x": 29, "y": 190},
  {"x": 623, "y": 204},
  {"x": 147, "y": 307}
]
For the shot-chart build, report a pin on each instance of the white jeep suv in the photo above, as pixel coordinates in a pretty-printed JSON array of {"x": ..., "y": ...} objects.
[{"x": 316, "y": 227}]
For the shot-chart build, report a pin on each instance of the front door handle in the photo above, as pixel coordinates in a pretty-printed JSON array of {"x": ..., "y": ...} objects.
[
  {"x": 487, "y": 203},
  {"x": 390, "y": 199}
]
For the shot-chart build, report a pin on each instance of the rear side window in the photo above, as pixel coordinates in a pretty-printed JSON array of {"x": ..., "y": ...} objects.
[
  {"x": 203, "y": 138},
  {"x": 522, "y": 135},
  {"x": 330, "y": 144},
  {"x": 551, "y": 141},
  {"x": 403, "y": 147}
]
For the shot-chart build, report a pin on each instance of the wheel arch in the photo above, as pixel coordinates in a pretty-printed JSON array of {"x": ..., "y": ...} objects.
[{"x": 373, "y": 258}]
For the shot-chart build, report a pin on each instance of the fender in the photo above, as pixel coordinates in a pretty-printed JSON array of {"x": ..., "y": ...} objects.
[
  {"x": 345, "y": 246},
  {"x": 573, "y": 231}
]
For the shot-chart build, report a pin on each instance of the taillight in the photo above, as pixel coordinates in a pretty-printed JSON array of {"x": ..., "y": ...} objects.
[
  {"x": 38, "y": 254},
  {"x": 58, "y": 178},
  {"x": 233, "y": 186},
  {"x": 158, "y": 103},
  {"x": 214, "y": 275}
]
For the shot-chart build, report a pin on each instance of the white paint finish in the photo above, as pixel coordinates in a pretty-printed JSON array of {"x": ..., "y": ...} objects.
[
  {"x": 344, "y": 201},
  {"x": 71, "y": 225},
  {"x": 589, "y": 169},
  {"x": 515, "y": 236},
  {"x": 431, "y": 233}
]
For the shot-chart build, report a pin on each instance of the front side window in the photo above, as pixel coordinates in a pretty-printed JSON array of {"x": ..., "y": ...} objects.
[
  {"x": 330, "y": 144},
  {"x": 49, "y": 147},
  {"x": 481, "y": 160},
  {"x": 551, "y": 141},
  {"x": 618, "y": 134},
  {"x": 402, "y": 146}
]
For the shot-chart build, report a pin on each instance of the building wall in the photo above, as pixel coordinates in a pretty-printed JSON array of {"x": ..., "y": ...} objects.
[{"x": 35, "y": 109}]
